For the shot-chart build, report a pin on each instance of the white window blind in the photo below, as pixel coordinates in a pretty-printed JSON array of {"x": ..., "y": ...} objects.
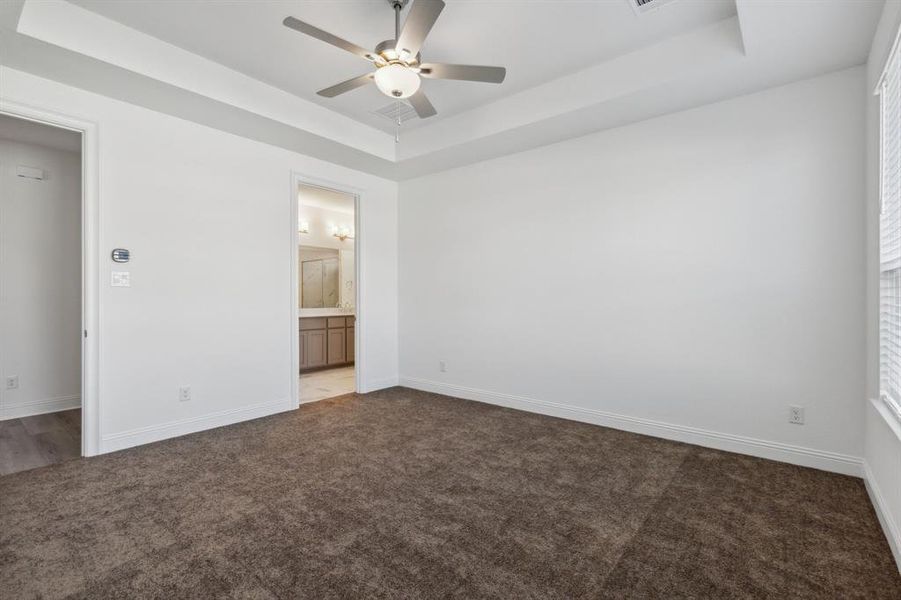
[{"x": 890, "y": 234}]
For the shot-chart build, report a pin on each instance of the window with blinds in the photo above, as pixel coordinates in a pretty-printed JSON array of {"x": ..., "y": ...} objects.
[{"x": 890, "y": 234}]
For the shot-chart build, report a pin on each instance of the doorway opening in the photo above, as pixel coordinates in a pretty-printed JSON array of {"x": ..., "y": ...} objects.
[
  {"x": 41, "y": 294},
  {"x": 327, "y": 292}
]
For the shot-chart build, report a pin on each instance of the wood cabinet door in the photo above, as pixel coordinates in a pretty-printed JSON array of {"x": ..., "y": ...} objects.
[
  {"x": 303, "y": 350},
  {"x": 316, "y": 348},
  {"x": 336, "y": 346},
  {"x": 351, "y": 343}
]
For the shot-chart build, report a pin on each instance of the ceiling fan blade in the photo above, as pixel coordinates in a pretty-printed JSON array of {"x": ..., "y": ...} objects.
[
  {"x": 421, "y": 105},
  {"x": 419, "y": 22},
  {"x": 327, "y": 37},
  {"x": 346, "y": 86},
  {"x": 464, "y": 72}
]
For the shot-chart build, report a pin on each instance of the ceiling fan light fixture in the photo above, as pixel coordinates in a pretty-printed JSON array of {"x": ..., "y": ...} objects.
[
  {"x": 398, "y": 63},
  {"x": 397, "y": 81}
]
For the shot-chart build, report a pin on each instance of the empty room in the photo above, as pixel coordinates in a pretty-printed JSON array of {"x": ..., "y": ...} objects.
[{"x": 450, "y": 299}]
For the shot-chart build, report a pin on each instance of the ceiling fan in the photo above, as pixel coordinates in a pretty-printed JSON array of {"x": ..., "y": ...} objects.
[{"x": 398, "y": 66}]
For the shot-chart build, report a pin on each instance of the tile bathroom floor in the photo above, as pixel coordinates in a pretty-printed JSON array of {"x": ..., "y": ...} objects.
[{"x": 329, "y": 383}]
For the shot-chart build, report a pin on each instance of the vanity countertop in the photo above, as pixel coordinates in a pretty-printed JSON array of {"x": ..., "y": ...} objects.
[{"x": 324, "y": 312}]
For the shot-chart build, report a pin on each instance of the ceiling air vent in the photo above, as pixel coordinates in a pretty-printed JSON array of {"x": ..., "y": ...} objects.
[
  {"x": 397, "y": 110},
  {"x": 645, "y": 6}
]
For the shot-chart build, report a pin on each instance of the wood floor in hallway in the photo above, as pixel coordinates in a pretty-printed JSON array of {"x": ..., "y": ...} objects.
[{"x": 40, "y": 440}]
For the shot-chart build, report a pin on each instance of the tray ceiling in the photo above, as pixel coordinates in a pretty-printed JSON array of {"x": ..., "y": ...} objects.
[{"x": 537, "y": 41}]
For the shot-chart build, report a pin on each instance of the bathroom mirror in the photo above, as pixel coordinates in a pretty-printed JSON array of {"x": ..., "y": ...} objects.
[{"x": 326, "y": 277}]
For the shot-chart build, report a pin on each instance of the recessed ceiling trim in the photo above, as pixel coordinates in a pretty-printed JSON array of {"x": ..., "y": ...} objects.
[
  {"x": 790, "y": 42},
  {"x": 79, "y": 30},
  {"x": 27, "y": 60}
]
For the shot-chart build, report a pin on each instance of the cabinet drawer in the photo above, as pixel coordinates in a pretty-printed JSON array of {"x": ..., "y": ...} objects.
[
  {"x": 312, "y": 323},
  {"x": 335, "y": 322}
]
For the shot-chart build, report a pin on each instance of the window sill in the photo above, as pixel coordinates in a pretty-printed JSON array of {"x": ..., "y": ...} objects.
[{"x": 891, "y": 419}]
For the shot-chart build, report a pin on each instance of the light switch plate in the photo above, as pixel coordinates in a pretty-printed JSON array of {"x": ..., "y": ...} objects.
[{"x": 121, "y": 279}]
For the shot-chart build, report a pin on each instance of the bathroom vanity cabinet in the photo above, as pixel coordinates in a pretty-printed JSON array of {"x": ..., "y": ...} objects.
[{"x": 326, "y": 342}]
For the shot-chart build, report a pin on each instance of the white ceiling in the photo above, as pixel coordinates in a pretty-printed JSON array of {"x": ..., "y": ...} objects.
[
  {"x": 537, "y": 41},
  {"x": 310, "y": 195},
  {"x": 614, "y": 67},
  {"x": 38, "y": 134}
]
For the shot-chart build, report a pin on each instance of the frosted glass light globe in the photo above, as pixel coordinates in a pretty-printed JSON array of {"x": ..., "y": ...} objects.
[{"x": 397, "y": 81}]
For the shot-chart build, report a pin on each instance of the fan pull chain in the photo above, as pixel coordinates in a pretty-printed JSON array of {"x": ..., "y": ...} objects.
[{"x": 397, "y": 129}]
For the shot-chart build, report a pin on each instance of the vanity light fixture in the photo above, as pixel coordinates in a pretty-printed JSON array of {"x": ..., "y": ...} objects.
[{"x": 342, "y": 233}]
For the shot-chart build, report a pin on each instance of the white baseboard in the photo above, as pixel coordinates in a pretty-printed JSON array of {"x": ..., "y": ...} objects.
[
  {"x": 889, "y": 526},
  {"x": 39, "y": 407},
  {"x": 796, "y": 455},
  {"x": 154, "y": 433},
  {"x": 379, "y": 384}
]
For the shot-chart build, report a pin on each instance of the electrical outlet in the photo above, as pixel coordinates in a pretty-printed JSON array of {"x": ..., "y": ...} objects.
[
  {"x": 796, "y": 415},
  {"x": 184, "y": 393},
  {"x": 442, "y": 366},
  {"x": 12, "y": 382}
]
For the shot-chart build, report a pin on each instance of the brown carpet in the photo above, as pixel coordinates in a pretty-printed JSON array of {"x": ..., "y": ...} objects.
[{"x": 404, "y": 494}]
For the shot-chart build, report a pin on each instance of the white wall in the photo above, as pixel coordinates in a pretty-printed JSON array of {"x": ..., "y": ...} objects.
[
  {"x": 882, "y": 449},
  {"x": 882, "y": 455},
  {"x": 40, "y": 280},
  {"x": 207, "y": 216},
  {"x": 690, "y": 276}
]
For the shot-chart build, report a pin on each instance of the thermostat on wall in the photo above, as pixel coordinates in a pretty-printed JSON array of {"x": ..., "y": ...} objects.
[{"x": 121, "y": 255}]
